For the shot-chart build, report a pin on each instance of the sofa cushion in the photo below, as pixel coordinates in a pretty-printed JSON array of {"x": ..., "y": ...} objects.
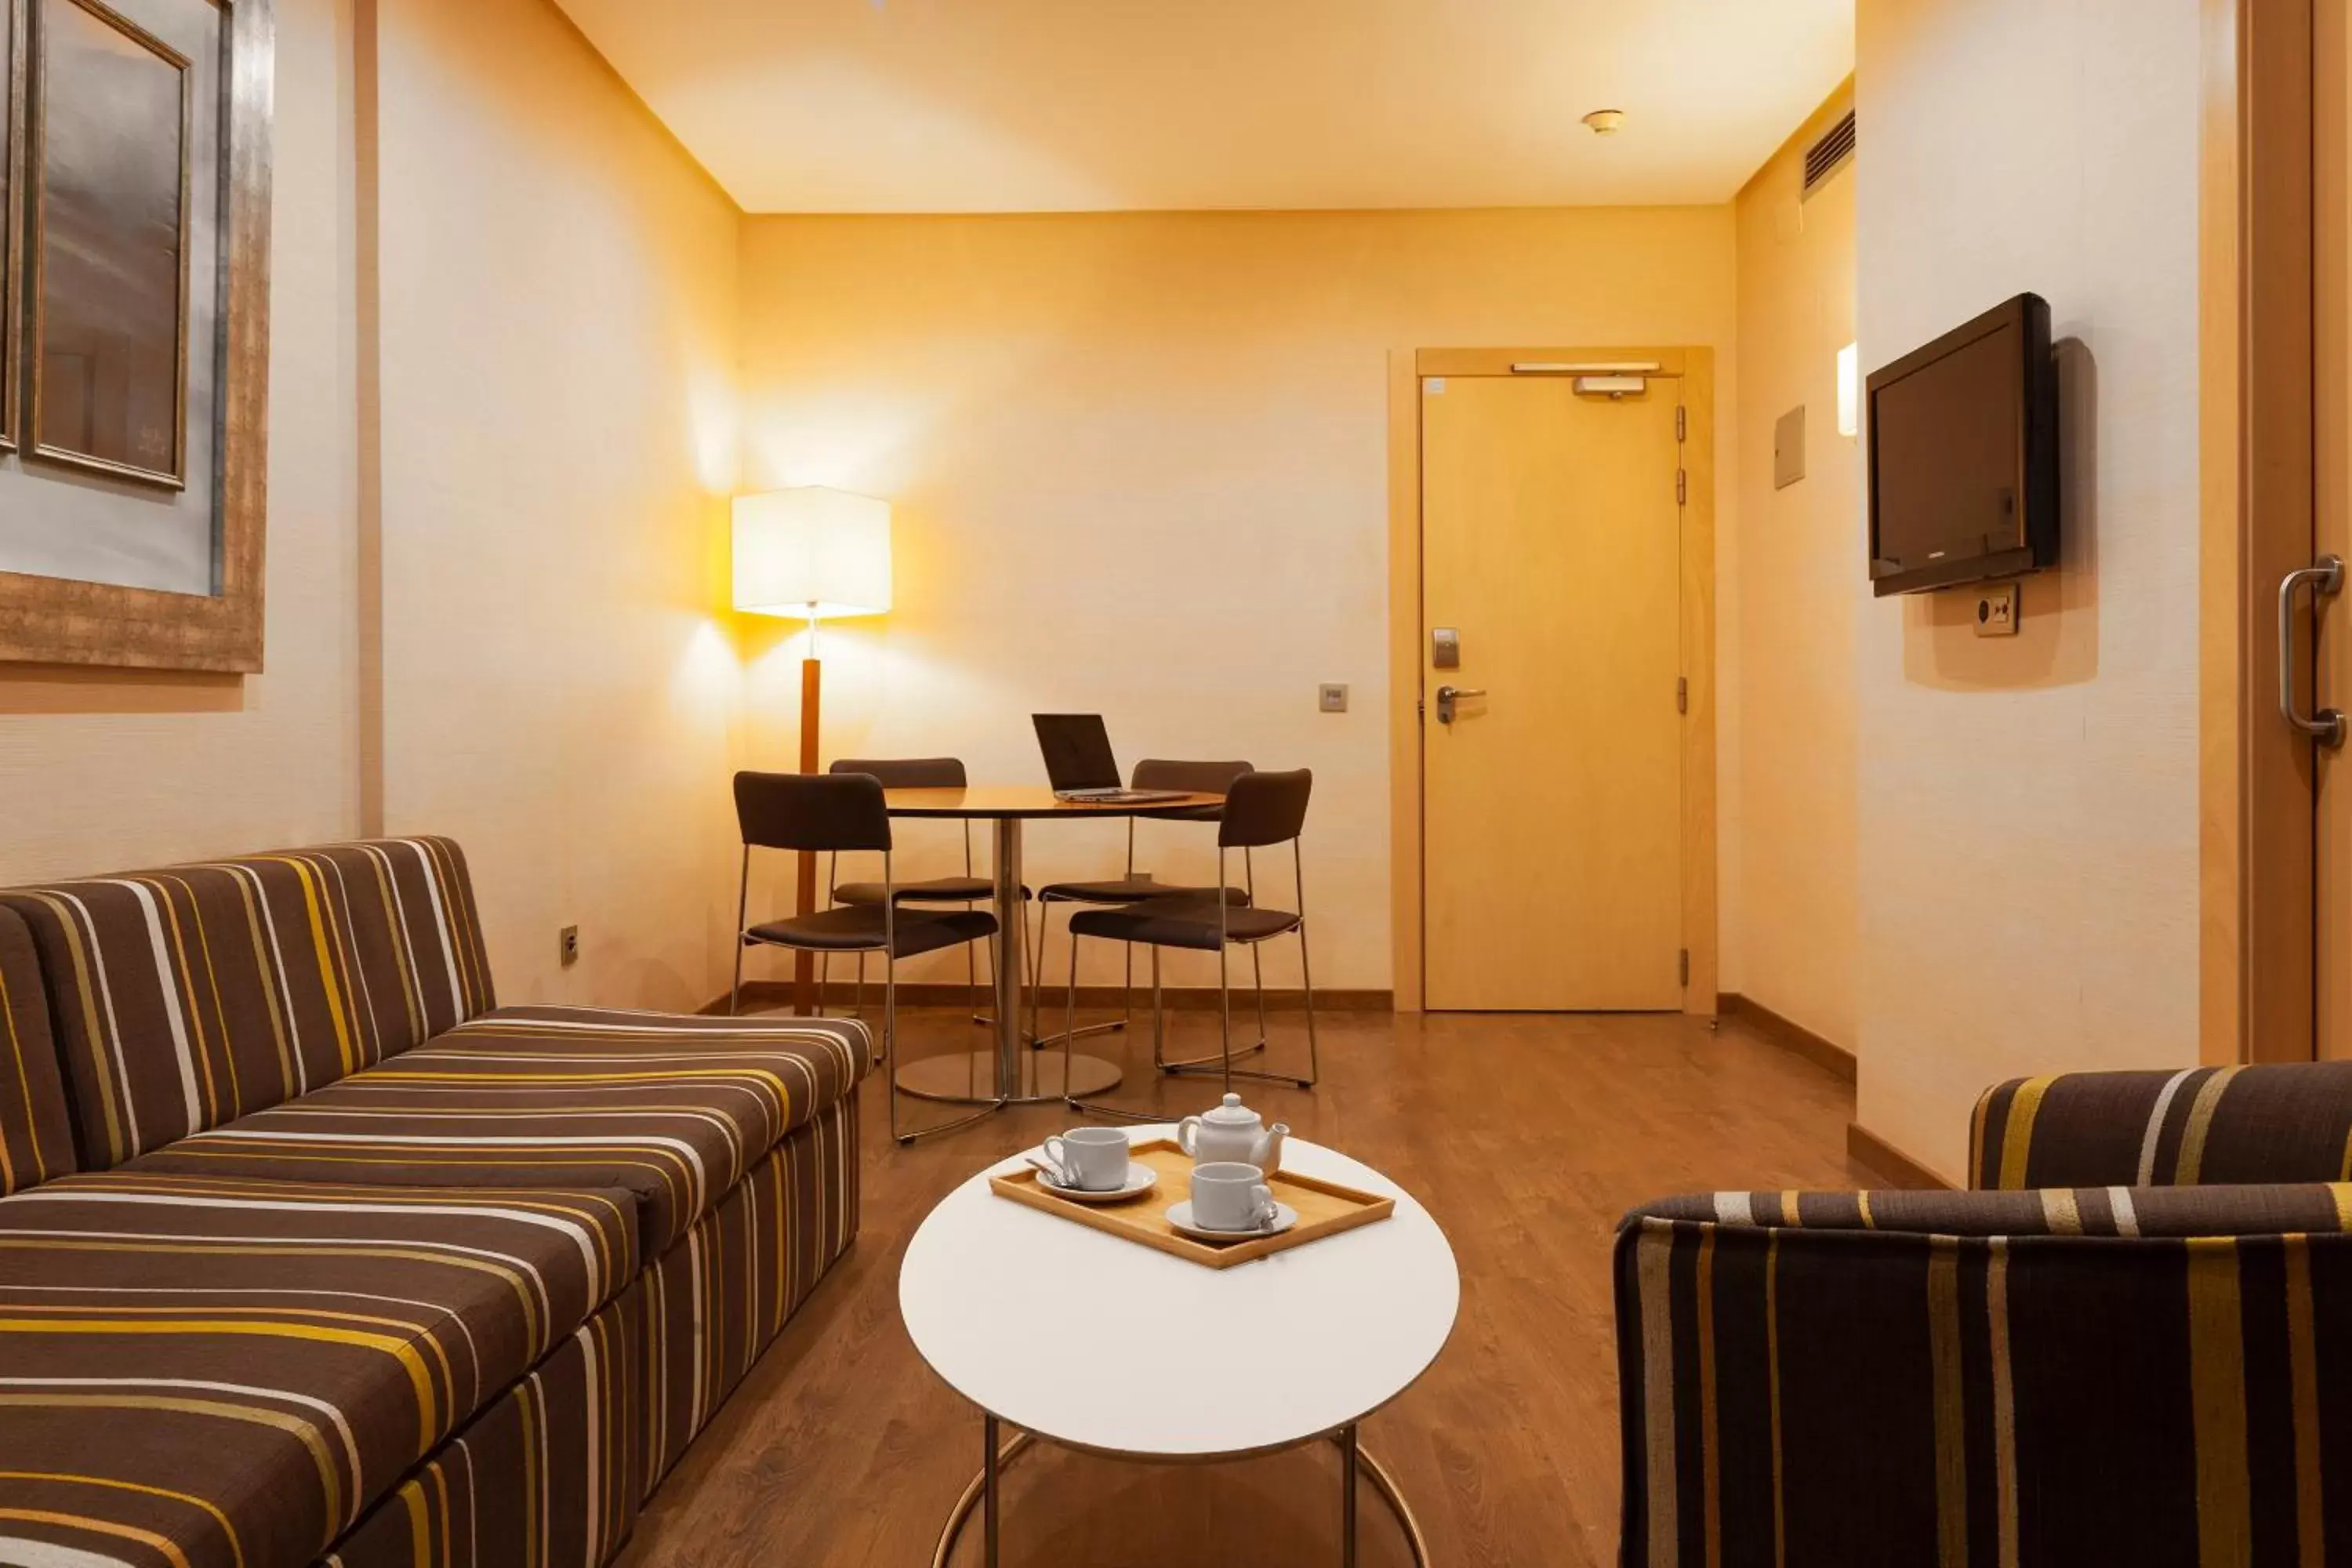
[
  {"x": 185, "y": 998},
  {"x": 674, "y": 1109},
  {"x": 35, "y": 1135},
  {"x": 223, "y": 1374}
]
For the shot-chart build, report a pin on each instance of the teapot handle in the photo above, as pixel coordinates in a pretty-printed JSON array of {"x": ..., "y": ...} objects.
[{"x": 1188, "y": 1135}]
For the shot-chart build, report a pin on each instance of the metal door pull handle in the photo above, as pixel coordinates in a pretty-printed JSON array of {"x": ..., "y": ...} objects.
[
  {"x": 1447, "y": 696},
  {"x": 2326, "y": 579}
]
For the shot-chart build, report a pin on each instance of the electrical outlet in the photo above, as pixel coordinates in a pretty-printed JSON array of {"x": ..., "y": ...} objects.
[
  {"x": 1331, "y": 698},
  {"x": 570, "y": 942},
  {"x": 1997, "y": 611}
]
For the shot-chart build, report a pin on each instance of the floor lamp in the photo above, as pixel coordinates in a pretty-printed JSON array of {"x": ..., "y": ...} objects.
[{"x": 817, "y": 554}]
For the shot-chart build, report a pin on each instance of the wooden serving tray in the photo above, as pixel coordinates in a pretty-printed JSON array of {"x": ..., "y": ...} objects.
[{"x": 1325, "y": 1209}]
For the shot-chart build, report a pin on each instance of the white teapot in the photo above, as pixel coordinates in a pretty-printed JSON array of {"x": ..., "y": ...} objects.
[{"x": 1232, "y": 1131}]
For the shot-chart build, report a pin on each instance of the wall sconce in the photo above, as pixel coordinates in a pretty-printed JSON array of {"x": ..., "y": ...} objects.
[{"x": 1850, "y": 390}]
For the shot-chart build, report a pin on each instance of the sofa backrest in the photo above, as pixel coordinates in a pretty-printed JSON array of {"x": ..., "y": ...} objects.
[
  {"x": 185, "y": 998},
  {"x": 36, "y": 1134}
]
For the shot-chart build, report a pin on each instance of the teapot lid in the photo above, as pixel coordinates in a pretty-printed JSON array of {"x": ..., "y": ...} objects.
[{"x": 1232, "y": 1114}]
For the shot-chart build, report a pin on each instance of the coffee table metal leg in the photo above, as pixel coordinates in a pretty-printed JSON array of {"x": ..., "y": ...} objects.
[
  {"x": 988, "y": 1466},
  {"x": 1356, "y": 1459},
  {"x": 1347, "y": 1451},
  {"x": 980, "y": 1497}
]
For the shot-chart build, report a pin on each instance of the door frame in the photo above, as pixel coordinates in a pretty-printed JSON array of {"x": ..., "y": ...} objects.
[
  {"x": 1694, "y": 368},
  {"x": 2257, "y": 920}
]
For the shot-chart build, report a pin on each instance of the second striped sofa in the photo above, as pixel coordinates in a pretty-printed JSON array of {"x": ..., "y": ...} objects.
[
  {"x": 310, "y": 1252},
  {"x": 2132, "y": 1343}
]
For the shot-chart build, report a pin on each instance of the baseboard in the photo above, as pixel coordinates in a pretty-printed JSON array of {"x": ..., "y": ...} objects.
[
  {"x": 1889, "y": 1164},
  {"x": 1787, "y": 1036},
  {"x": 764, "y": 996}
]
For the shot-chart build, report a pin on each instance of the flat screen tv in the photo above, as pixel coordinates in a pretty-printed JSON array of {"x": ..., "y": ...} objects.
[{"x": 1963, "y": 455}]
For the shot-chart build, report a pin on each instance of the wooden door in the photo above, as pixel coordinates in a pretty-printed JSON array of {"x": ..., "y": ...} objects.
[
  {"x": 2322, "y": 623},
  {"x": 1551, "y": 804}
]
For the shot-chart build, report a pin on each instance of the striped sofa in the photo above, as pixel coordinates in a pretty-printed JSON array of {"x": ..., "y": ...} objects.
[
  {"x": 2130, "y": 1342},
  {"x": 311, "y": 1253}
]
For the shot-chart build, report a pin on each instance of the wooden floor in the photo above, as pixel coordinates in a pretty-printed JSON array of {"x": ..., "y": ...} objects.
[{"x": 1526, "y": 1137}]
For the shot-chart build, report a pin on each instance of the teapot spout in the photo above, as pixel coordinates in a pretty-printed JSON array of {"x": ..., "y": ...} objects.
[{"x": 1269, "y": 1150}]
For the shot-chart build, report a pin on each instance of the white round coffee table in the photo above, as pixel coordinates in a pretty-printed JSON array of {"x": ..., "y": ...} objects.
[{"x": 1019, "y": 1311}]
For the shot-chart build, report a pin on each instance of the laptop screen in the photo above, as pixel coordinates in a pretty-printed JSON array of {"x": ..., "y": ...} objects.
[{"x": 1077, "y": 750}]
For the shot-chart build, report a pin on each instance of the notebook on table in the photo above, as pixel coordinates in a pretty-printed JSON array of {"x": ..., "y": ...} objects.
[{"x": 1081, "y": 765}]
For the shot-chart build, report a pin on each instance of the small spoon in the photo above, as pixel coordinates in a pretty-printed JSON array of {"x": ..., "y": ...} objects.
[{"x": 1050, "y": 1172}]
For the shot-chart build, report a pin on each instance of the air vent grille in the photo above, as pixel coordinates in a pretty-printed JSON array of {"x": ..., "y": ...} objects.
[{"x": 1834, "y": 152}]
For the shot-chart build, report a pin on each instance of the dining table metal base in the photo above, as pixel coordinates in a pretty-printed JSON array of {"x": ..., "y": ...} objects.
[
  {"x": 982, "y": 1497},
  {"x": 970, "y": 1079}
]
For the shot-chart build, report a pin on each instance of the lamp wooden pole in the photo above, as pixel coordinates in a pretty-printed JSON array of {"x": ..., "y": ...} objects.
[{"x": 804, "y": 962}]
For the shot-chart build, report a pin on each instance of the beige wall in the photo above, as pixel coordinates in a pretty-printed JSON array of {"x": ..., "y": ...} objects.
[
  {"x": 1139, "y": 463},
  {"x": 2027, "y": 806},
  {"x": 101, "y": 770},
  {"x": 560, "y": 692},
  {"x": 558, "y": 686},
  {"x": 1800, "y": 587}
]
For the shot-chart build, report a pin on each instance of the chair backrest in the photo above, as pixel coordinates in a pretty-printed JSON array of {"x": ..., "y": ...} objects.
[
  {"x": 812, "y": 811},
  {"x": 1264, "y": 808},
  {"x": 187, "y": 997},
  {"x": 1194, "y": 778},
  {"x": 908, "y": 773},
  {"x": 37, "y": 1140}
]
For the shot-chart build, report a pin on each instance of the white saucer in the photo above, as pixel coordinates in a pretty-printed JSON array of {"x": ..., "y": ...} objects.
[
  {"x": 1140, "y": 1179},
  {"x": 1180, "y": 1219}
]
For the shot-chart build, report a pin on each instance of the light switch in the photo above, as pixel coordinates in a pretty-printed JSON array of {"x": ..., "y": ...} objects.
[{"x": 1332, "y": 698}]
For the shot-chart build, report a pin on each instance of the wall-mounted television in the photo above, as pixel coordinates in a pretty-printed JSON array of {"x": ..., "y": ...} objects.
[{"x": 1963, "y": 455}]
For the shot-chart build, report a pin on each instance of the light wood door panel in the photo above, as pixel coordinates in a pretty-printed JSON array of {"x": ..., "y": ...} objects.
[
  {"x": 1552, "y": 805},
  {"x": 2331, "y": 629}
]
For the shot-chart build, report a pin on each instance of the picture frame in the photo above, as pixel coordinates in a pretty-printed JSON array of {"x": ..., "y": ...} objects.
[
  {"x": 63, "y": 619},
  {"x": 62, "y": 115},
  {"x": 12, "y": 15}
]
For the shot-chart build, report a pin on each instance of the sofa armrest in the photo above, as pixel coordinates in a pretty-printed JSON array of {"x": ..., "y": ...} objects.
[
  {"x": 2278, "y": 1122},
  {"x": 2084, "y": 1376}
]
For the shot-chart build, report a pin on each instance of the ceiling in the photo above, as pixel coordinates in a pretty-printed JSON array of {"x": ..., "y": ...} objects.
[{"x": 868, "y": 106}]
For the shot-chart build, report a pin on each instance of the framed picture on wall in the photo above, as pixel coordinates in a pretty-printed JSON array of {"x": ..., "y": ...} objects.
[{"x": 134, "y": 327}]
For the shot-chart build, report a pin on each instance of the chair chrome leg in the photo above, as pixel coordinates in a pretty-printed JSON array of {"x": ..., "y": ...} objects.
[
  {"x": 1159, "y": 1025},
  {"x": 1037, "y": 1041},
  {"x": 1070, "y": 1013},
  {"x": 735, "y": 993},
  {"x": 1307, "y": 980},
  {"x": 1070, "y": 1021},
  {"x": 1225, "y": 1010},
  {"x": 858, "y": 1005}
]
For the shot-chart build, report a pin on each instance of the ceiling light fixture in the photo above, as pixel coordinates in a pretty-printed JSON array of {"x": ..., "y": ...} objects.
[{"x": 1605, "y": 121}]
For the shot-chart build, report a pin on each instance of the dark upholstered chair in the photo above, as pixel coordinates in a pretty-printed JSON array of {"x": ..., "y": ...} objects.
[
  {"x": 2126, "y": 1344},
  {"x": 1261, "y": 810},
  {"x": 1194, "y": 778},
  {"x": 966, "y": 890},
  {"x": 826, "y": 814}
]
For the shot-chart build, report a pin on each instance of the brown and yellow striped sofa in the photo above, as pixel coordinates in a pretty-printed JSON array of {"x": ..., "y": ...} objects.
[
  {"x": 2135, "y": 1348},
  {"x": 310, "y": 1252}
]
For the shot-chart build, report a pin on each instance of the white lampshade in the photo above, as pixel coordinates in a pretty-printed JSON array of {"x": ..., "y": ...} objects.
[{"x": 812, "y": 553}]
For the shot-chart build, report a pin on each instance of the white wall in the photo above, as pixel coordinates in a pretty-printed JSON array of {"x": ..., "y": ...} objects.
[{"x": 2028, "y": 850}]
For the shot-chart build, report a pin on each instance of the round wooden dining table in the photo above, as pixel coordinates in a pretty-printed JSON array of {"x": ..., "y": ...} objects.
[{"x": 1010, "y": 1073}]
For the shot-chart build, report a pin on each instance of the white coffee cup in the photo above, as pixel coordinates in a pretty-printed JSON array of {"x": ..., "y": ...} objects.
[
  {"x": 1229, "y": 1196},
  {"x": 1091, "y": 1159}
]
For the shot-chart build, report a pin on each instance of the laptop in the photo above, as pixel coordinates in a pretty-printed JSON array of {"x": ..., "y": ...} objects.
[{"x": 1081, "y": 765}]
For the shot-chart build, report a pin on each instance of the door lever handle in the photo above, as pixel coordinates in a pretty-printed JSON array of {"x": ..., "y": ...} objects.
[
  {"x": 1447, "y": 696},
  {"x": 2325, "y": 725}
]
